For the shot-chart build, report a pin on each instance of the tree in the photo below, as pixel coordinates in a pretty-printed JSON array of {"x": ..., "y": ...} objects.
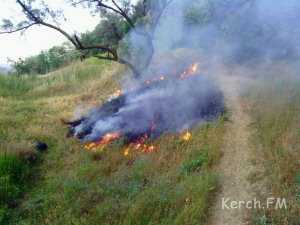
[
  {"x": 38, "y": 13},
  {"x": 46, "y": 61}
]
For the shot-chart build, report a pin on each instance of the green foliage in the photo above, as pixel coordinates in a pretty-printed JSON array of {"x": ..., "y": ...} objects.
[
  {"x": 196, "y": 161},
  {"x": 109, "y": 31},
  {"x": 46, "y": 61}
]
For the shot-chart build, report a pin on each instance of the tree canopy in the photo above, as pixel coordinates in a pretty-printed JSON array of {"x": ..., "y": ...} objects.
[{"x": 119, "y": 17}]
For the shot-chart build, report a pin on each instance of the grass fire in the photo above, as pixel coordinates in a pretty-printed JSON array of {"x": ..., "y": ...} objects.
[
  {"x": 149, "y": 112},
  {"x": 161, "y": 105}
]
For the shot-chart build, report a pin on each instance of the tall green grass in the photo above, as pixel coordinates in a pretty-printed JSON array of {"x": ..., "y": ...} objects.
[
  {"x": 68, "y": 78},
  {"x": 14, "y": 86},
  {"x": 14, "y": 173}
]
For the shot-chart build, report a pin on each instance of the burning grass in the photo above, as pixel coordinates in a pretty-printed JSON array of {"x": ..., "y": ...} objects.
[
  {"x": 161, "y": 105},
  {"x": 118, "y": 185}
]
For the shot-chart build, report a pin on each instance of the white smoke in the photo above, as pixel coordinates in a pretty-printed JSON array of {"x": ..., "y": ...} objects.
[{"x": 244, "y": 34}]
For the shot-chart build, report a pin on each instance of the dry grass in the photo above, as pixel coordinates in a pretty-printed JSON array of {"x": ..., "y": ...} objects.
[
  {"x": 73, "y": 186},
  {"x": 275, "y": 110}
]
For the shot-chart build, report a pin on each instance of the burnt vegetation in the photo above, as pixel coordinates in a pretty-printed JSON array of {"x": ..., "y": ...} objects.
[{"x": 131, "y": 120}]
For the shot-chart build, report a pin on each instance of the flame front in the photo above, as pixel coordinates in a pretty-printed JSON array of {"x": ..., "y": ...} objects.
[
  {"x": 145, "y": 148},
  {"x": 140, "y": 144},
  {"x": 192, "y": 70},
  {"x": 105, "y": 140}
]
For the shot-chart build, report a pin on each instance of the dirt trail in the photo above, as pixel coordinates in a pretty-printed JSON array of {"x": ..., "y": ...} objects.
[{"x": 235, "y": 166}]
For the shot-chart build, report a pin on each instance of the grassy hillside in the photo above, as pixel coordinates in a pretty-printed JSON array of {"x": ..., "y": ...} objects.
[
  {"x": 273, "y": 101},
  {"x": 70, "y": 185}
]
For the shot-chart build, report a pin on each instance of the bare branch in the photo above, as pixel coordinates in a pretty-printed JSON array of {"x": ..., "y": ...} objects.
[
  {"x": 38, "y": 20},
  {"x": 117, "y": 6},
  {"x": 28, "y": 12},
  {"x": 64, "y": 33},
  {"x": 124, "y": 14},
  {"x": 105, "y": 57},
  {"x": 103, "y": 48},
  {"x": 101, "y": 4},
  {"x": 79, "y": 44},
  {"x": 119, "y": 11},
  {"x": 18, "y": 29},
  {"x": 77, "y": 3}
]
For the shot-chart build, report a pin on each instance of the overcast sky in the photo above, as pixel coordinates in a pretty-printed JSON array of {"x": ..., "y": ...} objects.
[{"x": 35, "y": 39}]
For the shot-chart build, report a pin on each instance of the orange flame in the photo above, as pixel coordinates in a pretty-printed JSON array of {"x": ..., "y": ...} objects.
[
  {"x": 191, "y": 71},
  {"x": 161, "y": 78},
  {"x": 145, "y": 148},
  {"x": 126, "y": 151},
  {"x": 107, "y": 139},
  {"x": 141, "y": 146},
  {"x": 110, "y": 137},
  {"x": 117, "y": 93},
  {"x": 187, "y": 136}
]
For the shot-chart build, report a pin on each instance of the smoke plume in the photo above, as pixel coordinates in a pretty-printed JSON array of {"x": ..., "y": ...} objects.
[{"x": 206, "y": 33}]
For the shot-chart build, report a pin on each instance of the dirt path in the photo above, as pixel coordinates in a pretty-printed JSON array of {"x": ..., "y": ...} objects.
[{"x": 235, "y": 166}]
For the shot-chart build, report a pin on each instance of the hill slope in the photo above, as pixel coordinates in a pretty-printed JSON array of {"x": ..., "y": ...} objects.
[
  {"x": 70, "y": 185},
  {"x": 178, "y": 184}
]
